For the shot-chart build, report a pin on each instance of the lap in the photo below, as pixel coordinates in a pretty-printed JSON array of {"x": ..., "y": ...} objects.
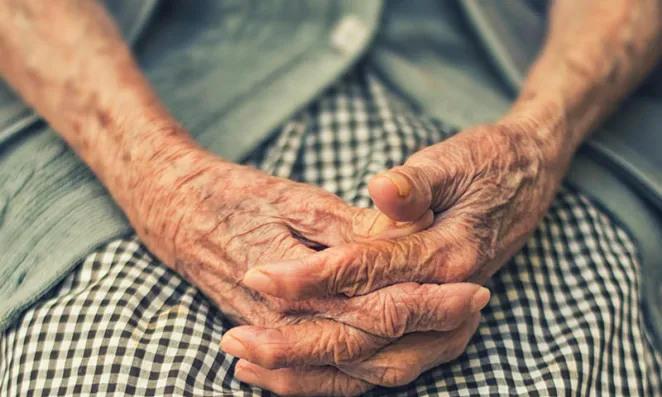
[{"x": 564, "y": 317}]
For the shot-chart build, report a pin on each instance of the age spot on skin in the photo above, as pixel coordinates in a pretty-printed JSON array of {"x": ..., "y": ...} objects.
[
  {"x": 630, "y": 48},
  {"x": 529, "y": 96},
  {"x": 84, "y": 142},
  {"x": 118, "y": 181},
  {"x": 75, "y": 126},
  {"x": 35, "y": 77},
  {"x": 579, "y": 68},
  {"x": 103, "y": 118}
]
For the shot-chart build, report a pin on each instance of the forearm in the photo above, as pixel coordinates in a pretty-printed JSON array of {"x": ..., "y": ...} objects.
[
  {"x": 596, "y": 53},
  {"x": 67, "y": 60}
]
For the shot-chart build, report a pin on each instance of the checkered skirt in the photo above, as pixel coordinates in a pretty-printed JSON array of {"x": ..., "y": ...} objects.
[{"x": 564, "y": 318}]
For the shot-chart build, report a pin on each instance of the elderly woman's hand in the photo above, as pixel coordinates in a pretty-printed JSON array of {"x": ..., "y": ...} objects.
[
  {"x": 488, "y": 188},
  {"x": 397, "y": 364},
  {"x": 211, "y": 221}
]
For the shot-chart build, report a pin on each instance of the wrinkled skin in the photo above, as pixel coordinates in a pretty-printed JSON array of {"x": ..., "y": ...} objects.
[
  {"x": 211, "y": 221},
  {"x": 395, "y": 365},
  {"x": 488, "y": 188}
]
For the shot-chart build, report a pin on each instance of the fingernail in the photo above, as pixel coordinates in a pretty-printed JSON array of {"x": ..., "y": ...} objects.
[
  {"x": 232, "y": 346},
  {"x": 246, "y": 374},
  {"x": 480, "y": 299},
  {"x": 400, "y": 181},
  {"x": 261, "y": 281}
]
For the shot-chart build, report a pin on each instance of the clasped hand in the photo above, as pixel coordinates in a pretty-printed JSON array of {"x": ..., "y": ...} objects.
[{"x": 388, "y": 297}]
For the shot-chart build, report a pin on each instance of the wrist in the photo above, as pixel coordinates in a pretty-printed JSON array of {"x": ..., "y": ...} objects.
[
  {"x": 546, "y": 122},
  {"x": 567, "y": 93},
  {"x": 141, "y": 159}
]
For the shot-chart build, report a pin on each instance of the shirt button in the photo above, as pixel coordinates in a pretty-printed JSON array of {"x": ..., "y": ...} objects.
[{"x": 349, "y": 35}]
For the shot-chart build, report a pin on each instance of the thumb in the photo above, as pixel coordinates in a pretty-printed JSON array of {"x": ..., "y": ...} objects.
[
  {"x": 406, "y": 192},
  {"x": 351, "y": 224}
]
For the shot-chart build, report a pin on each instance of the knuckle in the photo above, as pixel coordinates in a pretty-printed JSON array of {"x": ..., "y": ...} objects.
[
  {"x": 435, "y": 259},
  {"x": 282, "y": 245},
  {"x": 418, "y": 255},
  {"x": 349, "y": 387},
  {"x": 272, "y": 358},
  {"x": 394, "y": 323},
  {"x": 464, "y": 265},
  {"x": 431, "y": 308},
  {"x": 455, "y": 350},
  {"x": 285, "y": 386},
  {"x": 364, "y": 224},
  {"x": 396, "y": 374},
  {"x": 399, "y": 310},
  {"x": 273, "y": 355},
  {"x": 347, "y": 346},
  {"x": 428, "y": 309},
  {"x": 450, "y": 311},
  {"x": 355, "y": 274},
  {"x": 331, "y": 348},
  {"x": 458, "y": 259}
]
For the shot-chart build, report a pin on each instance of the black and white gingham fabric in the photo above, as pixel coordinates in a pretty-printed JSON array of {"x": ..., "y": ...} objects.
[{"x": 564, "y": 318}]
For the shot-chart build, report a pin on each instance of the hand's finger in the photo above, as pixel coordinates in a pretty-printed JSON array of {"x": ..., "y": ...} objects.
[
  {"x": 340, "y": 223},
  {"x": 239, "y": 302},
  {"x": 370, "y": 224},
  {"x": 273, "y": 242},
  {"x": 397, "y": 364},
  {"x": 310, "y": 343},
  {"x": 406, "y": 359},
  {"x": 223, "y": 286},
  {"x": 361, "y": 325},
  {"x": 399, "y": 197},
  {"x": 321, "y": 381},
  {"x": 425, "y": 182},
  {"x": 409, "y": 307},
  {"x": 441, "y": 254}
]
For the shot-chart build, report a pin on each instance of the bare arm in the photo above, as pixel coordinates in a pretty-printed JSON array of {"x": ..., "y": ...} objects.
[
  {"x": 68, "y": 61},
  {"x": 595, "y": 54}
]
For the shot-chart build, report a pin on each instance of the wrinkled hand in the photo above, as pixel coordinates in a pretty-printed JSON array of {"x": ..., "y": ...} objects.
[
  {"x": 488, "y": 188},
  {"x": 395, "y": 365},
  {"x": 211, "y": 221}
]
